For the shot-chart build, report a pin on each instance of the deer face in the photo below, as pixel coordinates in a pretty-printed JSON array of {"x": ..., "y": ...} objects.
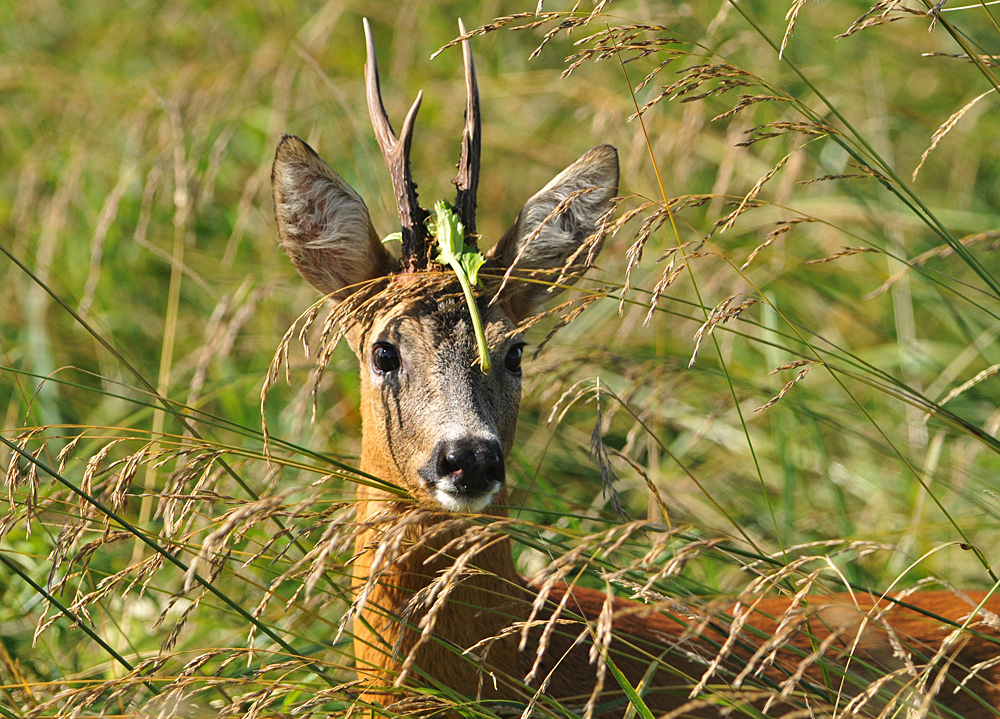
[
  {"x": 432, "y": 417},
  {"x": 433, "y": 421}
]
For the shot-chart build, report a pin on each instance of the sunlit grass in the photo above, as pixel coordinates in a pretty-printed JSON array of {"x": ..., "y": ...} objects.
[{"x": 144, "y": 296}]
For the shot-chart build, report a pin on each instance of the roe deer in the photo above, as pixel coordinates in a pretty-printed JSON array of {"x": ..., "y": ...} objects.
[{"x": 438, "y": 603}]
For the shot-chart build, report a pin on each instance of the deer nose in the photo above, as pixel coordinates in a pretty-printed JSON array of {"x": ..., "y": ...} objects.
[{"x": 471, "y": 465}]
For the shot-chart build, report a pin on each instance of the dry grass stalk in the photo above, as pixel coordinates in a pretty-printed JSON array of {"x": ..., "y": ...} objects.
[
  {"x": 599, "y": 452},
  {"x": 421, "y": 706},
  {"x": 790, "y": 624},
  {"x": 881, "y": 13},
  {"x": 985, "y": 60},
  {"x": 633, "y": 254},
  {"x": 780, "y": 229},
  {"x": 846, "y": 252},
  {"x": 977, "y": 669},
  {"x": 537, "y": 20},
  {"x": 573, "y": 267},
  {"x": 568, "y": 21},
  {"x": 750, "y": 199},
  {"x": 934, "y": 13},
  {"x": 576, "y": 307},
  {"x": 650, "y": 224},
  {"x": 745, "y": 101},
  {"x": 222, "y": 330},
  {"x": 395, "y": 543},
  {"x": 671, "y": 271},
  {"x": 231, "y": 529},
  {"x": 186, "y": 488},
  {"x": 672, "y": 55},
  {"x": 946, "y": 128},
  {"x": 337, "y": 539},
  {"x": 720, "y": 314},
  {"x": 559, "y": 570},
  {"x": 22, "y": 505},
  {"x": 967, "y": 241},
  {"x": 430, "y": 601},
  {"x": 940, "y": 251},
  {"x": 784, "y": 127},
  {"x": 599, "y": 649},
  {"x": 109, "y": 212},
  {"x": 723, "y": 76},
  {"x": 805, "y": 366},
  {"x": 790, "y": 16},
  {"x": 986, "y": 374},
  {"x": 872, "y": 172},
  {"x": 81, "y": 558},
  {"x": 663, "y": 559},
  {"x": 641, "y": 471},
  {"x": 623, "y": 41},
  {"x": 827, "y": 178}
]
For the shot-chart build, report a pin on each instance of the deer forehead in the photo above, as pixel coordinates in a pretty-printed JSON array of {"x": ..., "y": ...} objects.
[{"x": 440, "y": 328}]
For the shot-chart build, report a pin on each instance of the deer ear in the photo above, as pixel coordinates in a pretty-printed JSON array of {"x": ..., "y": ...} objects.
[
  {"x": 323, "y": 223},
  {"x": 552, "y": 230}
]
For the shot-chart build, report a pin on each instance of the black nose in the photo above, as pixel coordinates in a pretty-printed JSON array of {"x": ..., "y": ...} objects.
[{"x": 473, "y": 465}]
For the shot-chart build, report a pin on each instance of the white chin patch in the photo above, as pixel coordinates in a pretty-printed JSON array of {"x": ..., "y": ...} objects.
[{"x": 468, "y": 503}]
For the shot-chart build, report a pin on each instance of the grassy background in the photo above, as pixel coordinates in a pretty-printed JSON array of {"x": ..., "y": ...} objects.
[{"x": 136, "y": 143}]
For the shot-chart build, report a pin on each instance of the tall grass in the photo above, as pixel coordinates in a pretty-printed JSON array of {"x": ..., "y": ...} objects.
[{"x": 790, "y": 368}]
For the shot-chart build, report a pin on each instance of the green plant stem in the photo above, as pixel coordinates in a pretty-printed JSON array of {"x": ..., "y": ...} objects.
[
  {"x": 633, "y": 696},
  {"x": 477, "y": 321}
]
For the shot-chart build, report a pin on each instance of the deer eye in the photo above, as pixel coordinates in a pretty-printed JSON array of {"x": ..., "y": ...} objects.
[
  {"x": 385, "y": 358},
  {"x": 513, "y": 359}
]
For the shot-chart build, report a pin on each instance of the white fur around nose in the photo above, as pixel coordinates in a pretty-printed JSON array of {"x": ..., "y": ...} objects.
[{"x": 463, "y": 503}]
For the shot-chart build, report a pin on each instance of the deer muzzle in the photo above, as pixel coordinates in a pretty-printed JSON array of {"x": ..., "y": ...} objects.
[{"x": 464, "y": 474}]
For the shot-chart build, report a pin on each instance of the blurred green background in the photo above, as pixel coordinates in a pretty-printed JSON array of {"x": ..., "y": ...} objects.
[{"x": 136, "y": 142}]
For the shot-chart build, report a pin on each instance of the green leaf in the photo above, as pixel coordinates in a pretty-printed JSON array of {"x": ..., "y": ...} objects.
[
  {"x": 450, "y": 233},
  {"x": 633, "y": 696},
  {"x": 471, "y": 262},
  {"x": 392, "y": 237}
]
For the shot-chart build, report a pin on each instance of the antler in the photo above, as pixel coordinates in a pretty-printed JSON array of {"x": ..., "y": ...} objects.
[
  {"x": 467, "y": 179},
  {"x": 397, "y": 158}
]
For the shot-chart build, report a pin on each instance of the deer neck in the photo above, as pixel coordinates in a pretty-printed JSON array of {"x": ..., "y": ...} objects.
[
  {"x": 477, "y": 603},
  {"x": 374, "y": 504}
]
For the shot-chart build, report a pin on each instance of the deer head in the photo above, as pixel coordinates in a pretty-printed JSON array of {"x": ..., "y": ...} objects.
[{"x": 433, "y": 422}]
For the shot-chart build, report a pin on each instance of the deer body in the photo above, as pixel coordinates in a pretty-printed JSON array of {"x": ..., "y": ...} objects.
[{"x": 438, "y": 596}]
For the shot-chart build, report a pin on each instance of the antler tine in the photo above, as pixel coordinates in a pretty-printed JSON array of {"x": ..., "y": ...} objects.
[
  {"x": 467, "y": 179},
  {"x": 397, "y": 158}
]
